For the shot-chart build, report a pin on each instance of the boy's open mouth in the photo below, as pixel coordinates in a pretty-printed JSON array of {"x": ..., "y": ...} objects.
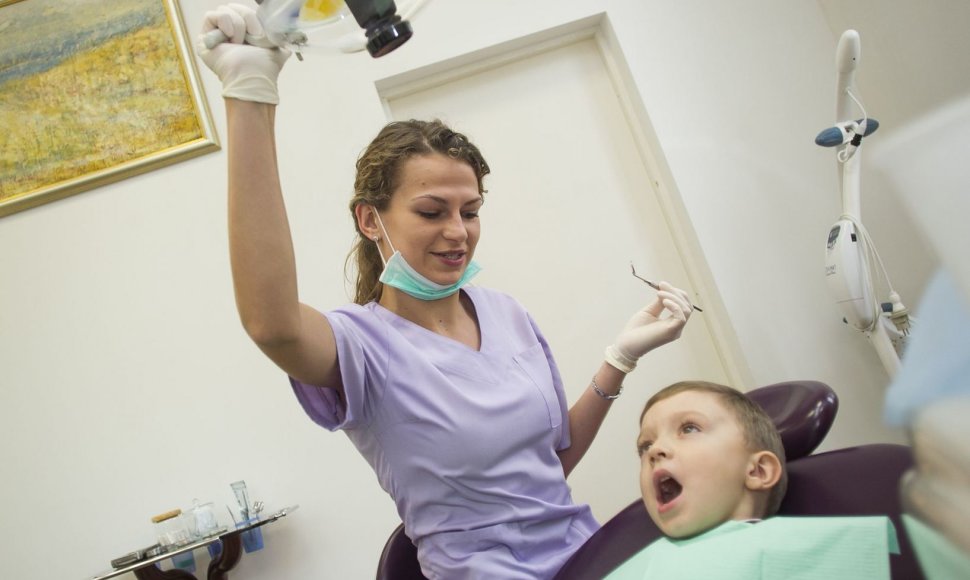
[{"x": 667, "y": 488}]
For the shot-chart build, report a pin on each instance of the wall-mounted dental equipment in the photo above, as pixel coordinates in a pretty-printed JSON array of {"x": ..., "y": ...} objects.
[
  {"x": 330, "y": 25},
  {"x": 849, "y": 251}
]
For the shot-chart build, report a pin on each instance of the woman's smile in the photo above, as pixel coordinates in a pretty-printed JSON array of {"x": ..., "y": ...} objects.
[{"x": 454, "y": 259}]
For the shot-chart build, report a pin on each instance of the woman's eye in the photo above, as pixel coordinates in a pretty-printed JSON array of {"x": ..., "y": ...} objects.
[
  {"x": 470, "y": 215},
  {"x": 428, "y": 214}
]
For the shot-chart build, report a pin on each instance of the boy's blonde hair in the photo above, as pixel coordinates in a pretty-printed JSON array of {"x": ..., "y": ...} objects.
[{"x": 759, "y": 431}]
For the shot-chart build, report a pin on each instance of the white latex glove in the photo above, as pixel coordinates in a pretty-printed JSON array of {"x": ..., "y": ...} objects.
[
  {"x": 247, "y": 72},
  {"x": 646, "y": 330}
]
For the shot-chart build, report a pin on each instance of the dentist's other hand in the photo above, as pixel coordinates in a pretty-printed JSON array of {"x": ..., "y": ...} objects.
[
  {"x": 648, "y": 328},
  {"x": 247, "y": 72}
]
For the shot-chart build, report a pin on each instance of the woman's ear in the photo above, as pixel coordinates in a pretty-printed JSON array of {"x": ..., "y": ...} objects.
[
  {"x": 764, "y": 471},
  {"x": 366, "y": 216}
]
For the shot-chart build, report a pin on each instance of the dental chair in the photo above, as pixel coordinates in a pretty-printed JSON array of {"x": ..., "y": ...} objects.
[{"x": 861, "y": 480}]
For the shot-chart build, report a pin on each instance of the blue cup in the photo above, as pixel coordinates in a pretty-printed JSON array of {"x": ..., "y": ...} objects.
[
  {"x": 215, "y": 548},
  {"x": 252, "y": 540},
  {"x": 184, "y": 561}
]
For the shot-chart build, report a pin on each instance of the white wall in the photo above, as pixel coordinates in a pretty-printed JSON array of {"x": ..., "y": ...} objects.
[{"x": 127, "y": 386}]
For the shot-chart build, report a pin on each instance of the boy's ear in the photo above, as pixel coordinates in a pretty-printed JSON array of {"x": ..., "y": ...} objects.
[{"x": 764, "y": 471}]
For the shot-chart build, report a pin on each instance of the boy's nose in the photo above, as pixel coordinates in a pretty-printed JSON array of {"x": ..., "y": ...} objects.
[{"x": 658, "y": 451}]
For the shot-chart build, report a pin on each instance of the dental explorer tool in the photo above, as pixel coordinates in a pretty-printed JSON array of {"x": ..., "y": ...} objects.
[{"x": 655, "y": 286}]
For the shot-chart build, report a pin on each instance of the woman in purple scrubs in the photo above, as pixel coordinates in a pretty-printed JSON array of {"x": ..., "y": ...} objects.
[{"x": 450, "y": 392}]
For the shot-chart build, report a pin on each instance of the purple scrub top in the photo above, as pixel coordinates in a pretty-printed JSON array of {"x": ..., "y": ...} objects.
[{"x": 464, "y": 441}]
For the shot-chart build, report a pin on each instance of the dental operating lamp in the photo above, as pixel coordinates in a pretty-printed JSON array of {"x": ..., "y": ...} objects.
[
  {"x": 849, "y": 252},
  {"x": 331, "y": 25}
]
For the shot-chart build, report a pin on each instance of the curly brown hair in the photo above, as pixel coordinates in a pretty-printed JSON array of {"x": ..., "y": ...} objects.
[{"x": 378, "y": 171}]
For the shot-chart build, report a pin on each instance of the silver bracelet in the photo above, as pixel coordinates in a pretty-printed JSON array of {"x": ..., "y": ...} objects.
[{"x": 602, "y": 393}]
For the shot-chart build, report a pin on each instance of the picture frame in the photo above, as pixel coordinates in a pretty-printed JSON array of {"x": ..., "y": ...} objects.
[{"x": 93, "y": 92}]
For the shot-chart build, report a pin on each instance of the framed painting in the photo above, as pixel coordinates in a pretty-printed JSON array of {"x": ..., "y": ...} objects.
[{"x": 92, "y": 92}]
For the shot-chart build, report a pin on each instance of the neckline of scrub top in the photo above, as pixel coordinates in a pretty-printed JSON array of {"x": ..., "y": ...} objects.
[{"x": 478, "y": 320}]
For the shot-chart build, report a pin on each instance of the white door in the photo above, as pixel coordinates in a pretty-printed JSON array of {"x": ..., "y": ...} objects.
[{"x": 570, "y": 205}]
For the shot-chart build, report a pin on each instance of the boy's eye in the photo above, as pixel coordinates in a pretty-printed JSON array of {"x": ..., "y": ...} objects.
[
  {"x": 643, "y": 448},
  {"x": 689, "y": 428}
]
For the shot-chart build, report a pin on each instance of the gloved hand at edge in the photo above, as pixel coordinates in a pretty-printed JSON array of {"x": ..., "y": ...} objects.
[
  {"x": 646, "y": 330},
  {"x": 247, "y": 72}
]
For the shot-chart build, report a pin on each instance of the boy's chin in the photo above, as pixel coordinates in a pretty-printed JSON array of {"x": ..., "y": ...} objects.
[
  {"x": 682, "y": 530},
  {"x": 675, "y": 527},
  {"x": 678, "y": 534}
]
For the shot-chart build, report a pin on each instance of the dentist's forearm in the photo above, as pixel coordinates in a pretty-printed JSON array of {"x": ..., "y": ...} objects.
[{"x": 587, "y": 414}]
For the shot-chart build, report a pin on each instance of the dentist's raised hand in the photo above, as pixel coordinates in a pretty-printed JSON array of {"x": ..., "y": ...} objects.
[
  {"x": 650, "y": 328},
  {"x": 247, "y": 72}
]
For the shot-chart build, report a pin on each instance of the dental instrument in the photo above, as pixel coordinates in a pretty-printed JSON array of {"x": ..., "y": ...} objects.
[{"x": 656, "y": 286}]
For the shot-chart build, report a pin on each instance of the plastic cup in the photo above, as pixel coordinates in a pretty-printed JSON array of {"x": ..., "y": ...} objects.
[{"x": 252, "y": 539}]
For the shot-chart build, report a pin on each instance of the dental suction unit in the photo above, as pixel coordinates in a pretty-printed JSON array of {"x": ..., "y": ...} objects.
[{"x": 849, "y": 251}]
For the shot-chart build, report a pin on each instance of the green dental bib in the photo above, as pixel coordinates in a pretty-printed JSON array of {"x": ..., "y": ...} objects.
[{"x": 779, "y": 548}]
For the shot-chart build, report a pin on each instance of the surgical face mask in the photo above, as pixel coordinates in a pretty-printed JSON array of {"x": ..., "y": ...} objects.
[{"x": 401, "y": 275}]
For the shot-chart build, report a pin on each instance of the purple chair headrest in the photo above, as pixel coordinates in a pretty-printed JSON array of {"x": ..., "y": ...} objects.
[{"x": 803, "y": 412}]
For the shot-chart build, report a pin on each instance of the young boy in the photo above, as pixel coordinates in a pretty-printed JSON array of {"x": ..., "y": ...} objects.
[{"x": 712, "y": 468}]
